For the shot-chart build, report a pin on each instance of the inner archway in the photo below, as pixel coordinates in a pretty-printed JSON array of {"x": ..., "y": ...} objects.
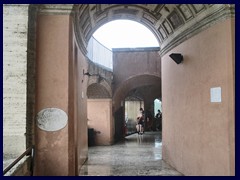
[
  {"x": 98, "y": 48},
  {"x": 170, "y": 25}
]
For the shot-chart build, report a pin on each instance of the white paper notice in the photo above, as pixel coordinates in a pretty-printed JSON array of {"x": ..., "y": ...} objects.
[{"x": 216, "y": 94}]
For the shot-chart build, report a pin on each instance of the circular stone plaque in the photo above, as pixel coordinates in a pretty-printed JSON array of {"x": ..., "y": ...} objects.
[{"x": 51, "y": 119}]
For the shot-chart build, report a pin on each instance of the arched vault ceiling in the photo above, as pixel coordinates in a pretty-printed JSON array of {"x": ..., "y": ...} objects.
[
  {"x": 170, "y": 23},
  {"x": 145, "y": 92},
  {"x": 137, "y": 82},
  {"x": 96, "y": 91}
]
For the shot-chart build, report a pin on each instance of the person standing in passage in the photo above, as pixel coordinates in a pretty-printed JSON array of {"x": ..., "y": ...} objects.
[
  {"x": 142, "y": 112},
  {"x": 140, "y": 122},
  {"x": 159, "y": 120}
]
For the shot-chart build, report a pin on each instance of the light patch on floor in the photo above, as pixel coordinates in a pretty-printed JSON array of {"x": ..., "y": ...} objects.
[{"x": 137, "y": 155}]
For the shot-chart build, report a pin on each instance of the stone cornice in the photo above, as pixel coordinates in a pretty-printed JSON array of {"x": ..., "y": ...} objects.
[
  {"x": 171, "y": 24},
  {"x": 135, "y": 49},
  {"x": 78, "y": 34},
  {"x": 191, "y": 29},
  {"x": 55, "y": 9}
]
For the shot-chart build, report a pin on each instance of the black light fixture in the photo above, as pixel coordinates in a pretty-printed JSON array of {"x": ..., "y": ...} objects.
[
  {"x": 87, "y": 73},
  {"x": 100, "y": 78},
  {"x": 177, "y": 57}
]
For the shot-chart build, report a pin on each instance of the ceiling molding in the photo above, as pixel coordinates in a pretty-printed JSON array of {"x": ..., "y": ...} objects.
[
  {"x": 55, "y": 9},
  {"x": 171, "y": 24}
]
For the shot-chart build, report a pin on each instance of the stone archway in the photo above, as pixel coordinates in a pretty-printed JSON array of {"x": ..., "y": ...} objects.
[
  {"x": 174, "y": 25},
  {"x": 169, "y": 23},
  {"x": 145, "y": 86}
]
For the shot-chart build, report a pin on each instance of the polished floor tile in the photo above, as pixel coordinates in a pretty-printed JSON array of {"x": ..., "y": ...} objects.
[{"x": 137, "y": 155}]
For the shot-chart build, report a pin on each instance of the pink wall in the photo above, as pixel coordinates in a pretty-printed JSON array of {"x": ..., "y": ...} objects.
[
  {"x": 198, "y": 135},
  {"x": 78, "y": 142},
  {"x": 100, "y": 118},
  {"x": 81, "y": 142},
  {"x": 52, "y": 91},
  {"x": 61, "y": 84}
]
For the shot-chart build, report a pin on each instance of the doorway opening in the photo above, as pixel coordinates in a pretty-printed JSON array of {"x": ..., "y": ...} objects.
[
  {"x": 132, "y": 88},
  {"x": 124, "y": 34},
  {"x": 158, "y": 114},
  {"x": 132, "y": 106}
]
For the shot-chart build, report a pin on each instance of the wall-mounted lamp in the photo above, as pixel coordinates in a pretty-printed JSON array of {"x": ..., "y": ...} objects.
[
  {"x": 87, "y": 73},
  {"x": 100, "y": 78},
  {"x": 177, "y": 57}
]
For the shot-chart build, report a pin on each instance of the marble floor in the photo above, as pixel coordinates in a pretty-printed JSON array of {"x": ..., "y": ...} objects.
[{"x": 137, "y": 155}]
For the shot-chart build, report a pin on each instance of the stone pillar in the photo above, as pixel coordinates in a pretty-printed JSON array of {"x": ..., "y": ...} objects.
[{"x": 52, "y": 55}]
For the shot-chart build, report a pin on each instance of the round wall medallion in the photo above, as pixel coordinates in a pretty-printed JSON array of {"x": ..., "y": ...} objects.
[{"x": 51, "y": 119}]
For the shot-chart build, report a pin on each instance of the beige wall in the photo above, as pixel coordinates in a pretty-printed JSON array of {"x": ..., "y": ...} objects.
[
  {"x": 127, "y": 64},
  {"x": 100, "y": 118},
  {"x": 15, "y": 33},
  {"x": 134, "y": 68},
  {"x": 137, "y": 69},
  {"x": 198, "y": 135},
  {"x": 52, "y": 91}
]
